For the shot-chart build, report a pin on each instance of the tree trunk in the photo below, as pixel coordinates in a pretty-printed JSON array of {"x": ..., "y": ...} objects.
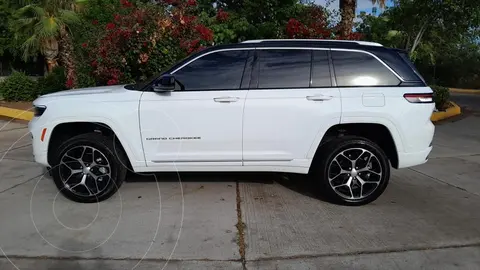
[
  {"x": 51, "y": 63},
  {"x": 49, "y": 49},
  {"x": 66, "y": 57},
  {"x": 347, "y": 11},
  {"x": 418, "y": 37}
]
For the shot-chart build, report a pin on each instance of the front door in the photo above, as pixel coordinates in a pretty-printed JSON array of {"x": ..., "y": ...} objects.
[{"x": 200, "y": 123}]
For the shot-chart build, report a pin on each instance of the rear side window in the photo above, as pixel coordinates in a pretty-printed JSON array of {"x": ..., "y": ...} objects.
[
  {"x": 361, "y": 69},
  {"x": 216, "y": 71},
  {"x": 284, "y": 68}
]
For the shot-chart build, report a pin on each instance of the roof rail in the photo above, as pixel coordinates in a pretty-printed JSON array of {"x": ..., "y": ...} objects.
[{"x": 319, "y": 40}]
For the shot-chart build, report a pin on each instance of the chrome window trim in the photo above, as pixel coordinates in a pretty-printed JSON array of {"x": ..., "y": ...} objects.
[{"x": 292, "y": 48}]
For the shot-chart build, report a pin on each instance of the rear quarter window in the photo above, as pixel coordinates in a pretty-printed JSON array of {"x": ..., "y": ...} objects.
[
  {"x": 406, "y": 59},
  {"x": 361, "y": 69}
]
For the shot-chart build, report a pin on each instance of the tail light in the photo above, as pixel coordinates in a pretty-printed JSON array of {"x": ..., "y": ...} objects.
[{"x": 419, "y": 98}]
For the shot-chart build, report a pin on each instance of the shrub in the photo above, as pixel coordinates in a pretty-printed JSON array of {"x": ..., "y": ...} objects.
[
  {"x": 53, "y": 82},
  {"x": 137, "y": 40},
  {"x": 18, "y": 87},
  {"x": 441, "y": 96}
]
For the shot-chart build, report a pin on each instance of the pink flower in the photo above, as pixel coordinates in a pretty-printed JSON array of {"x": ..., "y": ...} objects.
[
  {"x": 84, "y": 45},
  {"x": 112, "y": 82},
  {"x": 69, "y": 83},
  {"x": 125, "y": 3},
  {"x": 110, "y": 26},
  {"x": 205, "y": 32},
  {"x": 222, "y": 15},
  {"x": 192, "y": 2}
]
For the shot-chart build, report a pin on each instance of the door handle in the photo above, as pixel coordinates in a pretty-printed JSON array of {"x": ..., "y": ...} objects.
[
  {"x": 319, "y": 98},
  {"x": 226, "y": 99}
]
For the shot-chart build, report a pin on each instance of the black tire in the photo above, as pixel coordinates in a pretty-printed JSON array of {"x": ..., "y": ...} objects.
[
  {"x": 326, "y": 155},
  {"x": 106, "y": 151}
]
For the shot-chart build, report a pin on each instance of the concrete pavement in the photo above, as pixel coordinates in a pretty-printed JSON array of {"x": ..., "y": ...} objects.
[{"x": 427, "y": 218}]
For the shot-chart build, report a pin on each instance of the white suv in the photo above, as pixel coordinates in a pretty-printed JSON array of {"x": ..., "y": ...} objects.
[{"x": 341, "y": 111}]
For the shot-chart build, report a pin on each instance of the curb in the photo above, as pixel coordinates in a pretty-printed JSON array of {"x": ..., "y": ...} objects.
[
  {"x": 16, "y": 114},
  {"x": 452, "y": 111},
  {"x": 464, "y": 91}
]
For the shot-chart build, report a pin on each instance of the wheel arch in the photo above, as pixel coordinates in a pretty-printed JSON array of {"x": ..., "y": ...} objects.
[
  {"x": 65, "y": 130},
  {"x": 375, "y": 132}
]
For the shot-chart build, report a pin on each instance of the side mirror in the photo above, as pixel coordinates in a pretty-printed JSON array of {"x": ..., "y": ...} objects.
[{"x": 166, "y": 83}]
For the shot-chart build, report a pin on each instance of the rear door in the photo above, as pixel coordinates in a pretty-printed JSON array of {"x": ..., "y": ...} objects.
[{"x": 290, "y": 105}]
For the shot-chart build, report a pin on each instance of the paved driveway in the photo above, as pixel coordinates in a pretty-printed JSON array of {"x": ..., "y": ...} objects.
[{"x": 428, "y": 217}]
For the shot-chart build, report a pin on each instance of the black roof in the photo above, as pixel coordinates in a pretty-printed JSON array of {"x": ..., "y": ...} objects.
[
  {"x": 302, "y": 43},
  {"x": 389, "y": 55}
]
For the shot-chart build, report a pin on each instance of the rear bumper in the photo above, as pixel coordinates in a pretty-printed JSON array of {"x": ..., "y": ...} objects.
[{"x": 413, "y": 158}]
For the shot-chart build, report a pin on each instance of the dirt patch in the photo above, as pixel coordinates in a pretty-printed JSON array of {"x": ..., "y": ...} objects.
[
  {"x": 241, "y": 228},
  {"x": 21, "y": 105}
]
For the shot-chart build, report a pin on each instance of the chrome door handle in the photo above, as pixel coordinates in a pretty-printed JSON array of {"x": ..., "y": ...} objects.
[
  {"x": 226, "y": 99},
  {"x": 319, "y": 98}
]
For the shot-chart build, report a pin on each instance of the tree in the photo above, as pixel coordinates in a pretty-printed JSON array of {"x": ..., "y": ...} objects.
[
  {"x": 347, "y": 11},
  {"x": 44, "y": 27},
  {"x": 381, "y": 3},
  {"x": 447, "y": 20},
  {"x": 441, "y": 41}
]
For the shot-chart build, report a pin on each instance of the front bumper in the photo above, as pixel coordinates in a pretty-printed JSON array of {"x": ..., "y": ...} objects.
[{"x": 39, "y": 147}]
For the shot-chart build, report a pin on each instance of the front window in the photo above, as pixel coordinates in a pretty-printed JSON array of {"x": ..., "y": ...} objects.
[{"x": 216, "y": 71}]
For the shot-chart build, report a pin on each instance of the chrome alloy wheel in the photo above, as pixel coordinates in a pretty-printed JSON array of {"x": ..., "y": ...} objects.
[
  {"x": 354, "y": 173},
  {"x": 85, "y": 171}
]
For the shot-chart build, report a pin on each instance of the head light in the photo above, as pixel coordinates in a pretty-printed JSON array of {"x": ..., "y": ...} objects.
[{"x": 38, "y": 110}]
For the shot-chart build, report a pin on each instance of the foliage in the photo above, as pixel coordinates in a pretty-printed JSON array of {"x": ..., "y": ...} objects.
[
  {"x": 119, "y": 41},
  {"x": 40, "y": 25},
  {"x": 54, "y": 81},
  {"x": 18, "y": 87},
  {"x": 139, "y": 40},
  {"x": 441, "y": 96},
  {"x": 442, "y": 42},
  {"x": 8, "y": 44},
  {"x": 433, "y": 22},
  {"x": 227, "y": 27},
  {"x": 260, "y": 12},
  {"x": 380, "y": 29}
]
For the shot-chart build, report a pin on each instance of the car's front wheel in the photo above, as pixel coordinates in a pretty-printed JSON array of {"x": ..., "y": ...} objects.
[
  {"x": 89, "y": 168},
  {"x": 352, "y": 170}
]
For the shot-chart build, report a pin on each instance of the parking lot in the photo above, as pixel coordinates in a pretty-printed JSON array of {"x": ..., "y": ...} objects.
[{"x": 427, "y": 218}]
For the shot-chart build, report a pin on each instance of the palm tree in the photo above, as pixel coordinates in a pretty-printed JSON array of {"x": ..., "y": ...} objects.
[
  {"x": 44, "y": 27},
  {"x": 347, "y": 11}
]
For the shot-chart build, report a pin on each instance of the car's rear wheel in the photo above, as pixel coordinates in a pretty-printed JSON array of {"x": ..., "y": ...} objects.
[
  {"x": 352, "y": 170},
  {"x": 89, "y": 168}
]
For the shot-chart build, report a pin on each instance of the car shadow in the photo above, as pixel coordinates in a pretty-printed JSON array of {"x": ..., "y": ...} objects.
[
  {"x": 299, "y": 183},
  {"x": 253, "y": 177}
]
